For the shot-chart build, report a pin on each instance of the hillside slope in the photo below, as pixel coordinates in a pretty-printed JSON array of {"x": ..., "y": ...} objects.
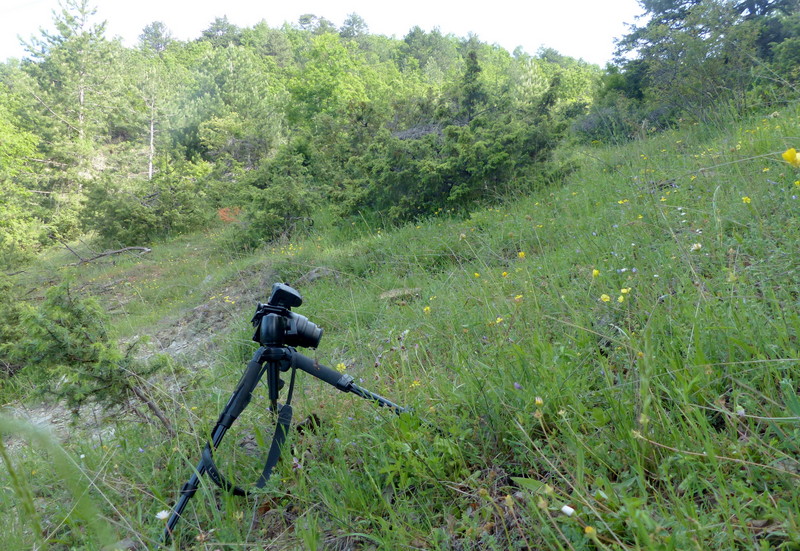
[{"x": 610, "y": 363}]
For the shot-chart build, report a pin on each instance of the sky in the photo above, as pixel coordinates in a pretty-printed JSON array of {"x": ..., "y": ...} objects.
[{"x": 583, "y": 29}]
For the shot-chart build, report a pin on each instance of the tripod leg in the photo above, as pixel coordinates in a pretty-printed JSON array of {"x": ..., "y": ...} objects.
[
  {"x": 187, "y": 492},
  {"x": 364, "y": 393},
  {"x": 273, "y": 384}
]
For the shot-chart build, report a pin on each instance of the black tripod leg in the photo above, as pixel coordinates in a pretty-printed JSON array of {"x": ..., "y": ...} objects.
[
  {"x": 281, "y": 430},
  {"x": 380, "y": 400},
  {"x": 339, "y": 380},
  {"x": 238, "y": 401},
  {"x": 187, "y": 492}
]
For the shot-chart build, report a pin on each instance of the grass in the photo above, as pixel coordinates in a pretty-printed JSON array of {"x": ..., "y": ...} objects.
[{"x": 665, "y": 417}]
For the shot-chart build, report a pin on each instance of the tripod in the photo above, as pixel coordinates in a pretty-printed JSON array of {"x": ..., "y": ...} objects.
[{"x": 278, "y": 330}]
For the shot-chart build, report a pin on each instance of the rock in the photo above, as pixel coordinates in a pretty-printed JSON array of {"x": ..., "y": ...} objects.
[
  {"x": 315, "y": 274},
  {"x": 399, "y": 294}
]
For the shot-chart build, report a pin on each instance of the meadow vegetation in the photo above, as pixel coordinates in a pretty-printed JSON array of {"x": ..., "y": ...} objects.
[
  {"x": 600, "y": 348},
  {"x": 624, "y": 344}
]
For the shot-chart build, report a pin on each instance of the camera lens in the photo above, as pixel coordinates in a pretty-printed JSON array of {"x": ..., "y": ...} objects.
[{"x": 303, "y": 332}]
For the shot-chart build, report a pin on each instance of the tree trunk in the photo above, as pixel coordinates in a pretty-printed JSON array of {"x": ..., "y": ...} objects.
[{"x": 152, "y": 140}]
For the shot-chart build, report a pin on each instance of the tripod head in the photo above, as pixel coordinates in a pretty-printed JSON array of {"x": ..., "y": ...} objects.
[{"x": 277, "y": 326}]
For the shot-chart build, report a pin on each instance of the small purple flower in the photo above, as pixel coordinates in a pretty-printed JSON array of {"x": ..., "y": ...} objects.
[{"x": 517, "y": 385}]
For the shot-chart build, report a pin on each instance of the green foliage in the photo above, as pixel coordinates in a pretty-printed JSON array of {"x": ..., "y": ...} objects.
[
  {"x": 617, "y": 118},
  {"x": 16, "y": 143},
  {"x": 432, "y": 53},
  {"x": 456, "y": 167},
  {"x": 139, "y": 212},
  {"x": 21, "y": 233},
  {"x": 10, "y": 329},
  {"x": 69, "y": 339},
  {"x": 85, "y": 520},
  {"x": 276, "y": 199},
  {"x": 624, "y": 345},
  {"x": 74, "y": 105},
  {"x": 784, "y": 50},
  {"x": 695, "y": 59},
  {"x": 264, "y": 105},
  {"x": 222, "y": 33},
  {"x": 705, "y": 65}
]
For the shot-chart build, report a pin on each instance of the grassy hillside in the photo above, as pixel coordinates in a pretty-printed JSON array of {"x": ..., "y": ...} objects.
[{"x": 611, "y": 363}]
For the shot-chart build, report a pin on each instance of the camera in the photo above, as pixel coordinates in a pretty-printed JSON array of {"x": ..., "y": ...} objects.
[{"x": 276, "y": 325}]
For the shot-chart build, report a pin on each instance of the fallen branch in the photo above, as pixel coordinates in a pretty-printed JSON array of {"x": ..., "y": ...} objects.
[
  {"x": 144, "y": 250},
  {"x": 154, "y": 408}
]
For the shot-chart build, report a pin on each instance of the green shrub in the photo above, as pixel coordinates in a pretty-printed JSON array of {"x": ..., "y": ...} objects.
[
  {"x": 274, "y": 200},
  {"x": 68, "y": 338},
  {"x": 454, "y": 168},
  {"x": 10, "y": 332},
  {"x": 123, "y": 214}
]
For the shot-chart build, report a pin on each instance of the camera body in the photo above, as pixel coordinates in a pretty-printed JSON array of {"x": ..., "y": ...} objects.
[{"x": 276, "y": 325}]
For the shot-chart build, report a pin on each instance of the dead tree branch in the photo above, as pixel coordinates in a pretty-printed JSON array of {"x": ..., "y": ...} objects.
[
  {"x": 154, "y": 408},
  {"x": 144, "y": 250}
]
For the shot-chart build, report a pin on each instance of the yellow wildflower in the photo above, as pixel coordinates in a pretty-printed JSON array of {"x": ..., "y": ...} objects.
[
  {"x": 595, "y": 272},
  {"x": 427, "y": 309},
  {"x": 792, "y": 157},
  {"x": 621, "y": 298},
  {"x": 340, "y": 367},
  {"x": 605, "y": 298},
  {"x": 746, "y": 200},
  {"x": 590, "y": 531},
  {"x": 521, "y": 254}
]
